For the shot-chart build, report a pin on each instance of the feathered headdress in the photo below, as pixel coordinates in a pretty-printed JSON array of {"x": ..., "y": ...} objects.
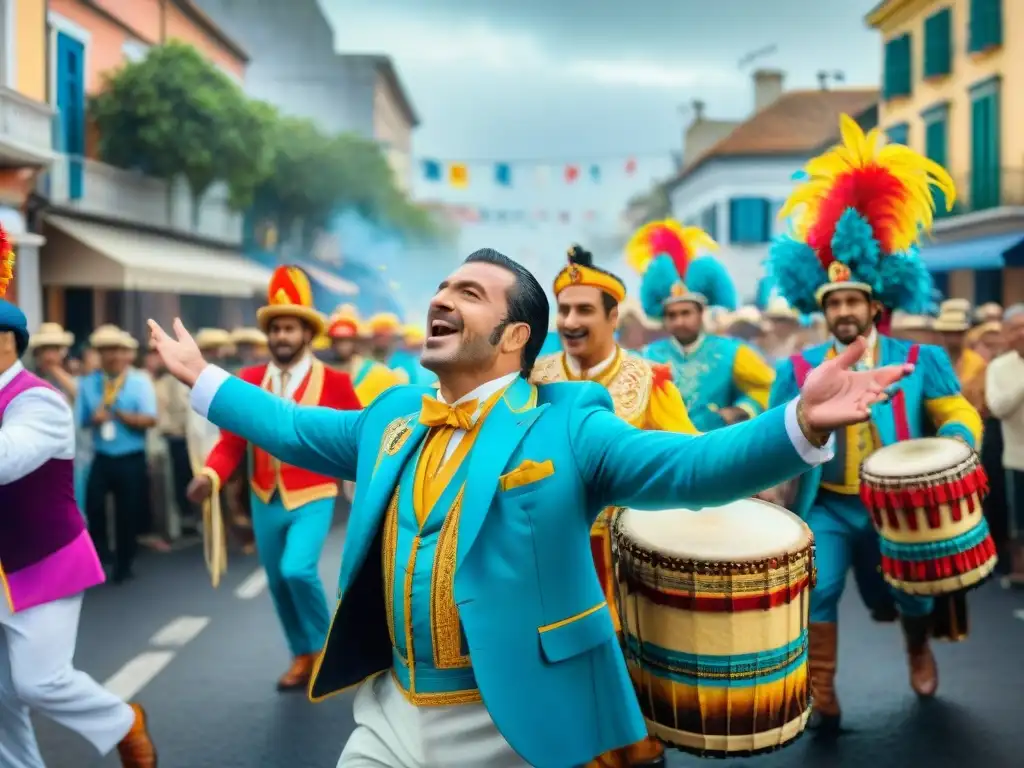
[
  {"x": 857, "y": 217},
  {"x": 667, "y": 254},
  {"x": 6, "y": 262}
]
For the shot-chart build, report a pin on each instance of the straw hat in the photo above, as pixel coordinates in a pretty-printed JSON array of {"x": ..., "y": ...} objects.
[
  {"x": 631, "y": 308},
  {"x": 290, "y": 295},
  {"x": 384, "y": 324},
  {"x": 212, "y": 338},
  {"x": 51, "y": 335},
  {"x": 988, "y": 312},
  {"x": 779, "y": 309},
  {"x": 253, "y": 336},
  {"x": 991, "y": 326},
  {"x": 413, "y": 334},
  {"x": 109, "y": 336},
  {"x": 954, "y": 316},
  {"x": 905, "y": 322},
  {"x": 344, "y": 323}
]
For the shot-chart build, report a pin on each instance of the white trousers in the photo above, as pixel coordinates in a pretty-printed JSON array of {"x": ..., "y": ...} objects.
[
  {"x": 37, "y": 648},
  {"x": 392, "y": 733}
]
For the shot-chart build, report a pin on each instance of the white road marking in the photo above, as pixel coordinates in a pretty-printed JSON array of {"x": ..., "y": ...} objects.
[
  {"x": 179, "y": 632},
  {"x": 1019, "y": 614},
  {"x": 253, "y": 585},
  {"x": 138, "y": 673}
]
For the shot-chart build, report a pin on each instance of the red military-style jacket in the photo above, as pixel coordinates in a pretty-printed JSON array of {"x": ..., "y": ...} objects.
[{"x": 322, "y": 386}]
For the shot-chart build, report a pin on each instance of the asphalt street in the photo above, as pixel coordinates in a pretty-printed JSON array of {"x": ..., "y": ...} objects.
[{"x": 204, "y": 663}]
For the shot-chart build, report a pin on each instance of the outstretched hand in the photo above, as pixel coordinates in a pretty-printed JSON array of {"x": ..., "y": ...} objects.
[
  {"x": 836, "y": 396},
  {"x": 181, "y": 354}
]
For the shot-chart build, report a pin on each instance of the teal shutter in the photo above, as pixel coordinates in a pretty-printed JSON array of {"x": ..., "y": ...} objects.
[
  {"x": 986, "y": 25},
  {"x": 898, "y": 73},
  {"x": 935, "y": 138},
  {"x": 709, "y": 221},
  {"x": 938, "y": 44},
  {"x": 749, "y": 220},
  {"x": 985, "y": 151},
  {"x": 898, "y": 134}
]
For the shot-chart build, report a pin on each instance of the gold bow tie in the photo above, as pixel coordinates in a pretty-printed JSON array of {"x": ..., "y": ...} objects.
[{"x": 437, "y": 414}]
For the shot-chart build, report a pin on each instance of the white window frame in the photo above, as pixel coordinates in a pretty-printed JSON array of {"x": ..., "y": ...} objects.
[
  {"x": 8, "y": 41},
  {"x": 62, "y": 24}
]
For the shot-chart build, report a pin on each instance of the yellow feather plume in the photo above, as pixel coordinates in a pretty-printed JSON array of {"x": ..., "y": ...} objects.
[{"x": 648, "y": 241}]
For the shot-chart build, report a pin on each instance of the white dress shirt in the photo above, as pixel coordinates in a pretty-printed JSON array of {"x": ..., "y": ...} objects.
[
  {"x": 481, "y": 394},
  {"x": 296, "y": 375},
  {"x": 574, "y": 367},
  {"x": 38, "y": 426}
]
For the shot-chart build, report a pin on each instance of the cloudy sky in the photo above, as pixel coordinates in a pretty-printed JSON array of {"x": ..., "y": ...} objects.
[{"x": 586, "y": 81}]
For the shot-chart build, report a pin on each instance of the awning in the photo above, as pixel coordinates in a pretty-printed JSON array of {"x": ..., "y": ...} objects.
[
  {"x": 14, "y": 225},
  {"x": 83, "y": 254},
  {"x": 978, "y": 253}
]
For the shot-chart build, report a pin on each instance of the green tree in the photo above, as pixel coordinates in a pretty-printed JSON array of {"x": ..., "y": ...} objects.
[{"x": 175, "y": 114}]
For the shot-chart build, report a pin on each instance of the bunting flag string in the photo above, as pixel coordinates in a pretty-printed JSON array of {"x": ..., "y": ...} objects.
[
  {"x": 460, "y": 174},
  {"x": 466, "y": 214}
]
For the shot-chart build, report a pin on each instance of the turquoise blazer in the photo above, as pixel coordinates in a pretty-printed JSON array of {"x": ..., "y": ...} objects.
[
  {"x": 545, "y": 653},
  {"x": 928, "y": 402}
]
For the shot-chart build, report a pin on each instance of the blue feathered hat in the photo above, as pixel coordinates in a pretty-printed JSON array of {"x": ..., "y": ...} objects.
[
  {"x": 12, "y": 320},
  {"x": 855, "y": 221},
  {"x": 665, "y": 254}
]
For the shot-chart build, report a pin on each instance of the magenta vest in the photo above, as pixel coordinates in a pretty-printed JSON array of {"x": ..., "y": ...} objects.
[{"x": 45, "y": 550}]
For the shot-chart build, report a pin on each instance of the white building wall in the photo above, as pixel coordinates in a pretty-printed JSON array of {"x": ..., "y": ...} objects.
[{"x": 716, "y": 183}]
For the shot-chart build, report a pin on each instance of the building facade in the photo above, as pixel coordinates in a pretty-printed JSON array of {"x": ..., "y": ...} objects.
[
  {"x": 25, "y": 147},
  {"x": 735, "y": 187},
  {"x": 295, "y": 67},
  {"x": 122, "y": 246},
  {"x": 953, "y": 72}
]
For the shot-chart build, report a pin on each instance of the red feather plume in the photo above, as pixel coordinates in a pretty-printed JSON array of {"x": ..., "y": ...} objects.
[{"x": 874, "y": 193}]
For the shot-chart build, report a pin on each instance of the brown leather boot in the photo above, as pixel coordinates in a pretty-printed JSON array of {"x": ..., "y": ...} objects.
[
  {"x": 924, "y": 672},
  {"x": 136, "y": 750},
  {"x": 298, "y": 674},
  {"x": 821, "y": 664},
  {"x": 649, "y": 753}
]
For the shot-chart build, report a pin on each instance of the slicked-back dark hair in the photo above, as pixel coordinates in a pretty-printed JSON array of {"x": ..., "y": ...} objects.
[{"x": 527, "y": 303}]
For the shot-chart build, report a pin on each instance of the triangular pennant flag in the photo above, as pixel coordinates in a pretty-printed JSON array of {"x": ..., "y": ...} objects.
[
  {"x": 595, "y": 173},
  {"x": 431, "y": 170},
  {"x": 571, "y": 174},
  {"x": 630, "y": 166},
  {"x": 503, "y": 174}
]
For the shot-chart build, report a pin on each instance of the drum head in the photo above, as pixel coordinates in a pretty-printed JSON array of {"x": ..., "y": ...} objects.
[
  {"x": 748, "y": 529},
  {"x": 911, "y": 458}
]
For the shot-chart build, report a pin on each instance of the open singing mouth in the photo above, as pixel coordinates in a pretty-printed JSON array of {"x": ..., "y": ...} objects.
[{"x": 440, "y": 329}]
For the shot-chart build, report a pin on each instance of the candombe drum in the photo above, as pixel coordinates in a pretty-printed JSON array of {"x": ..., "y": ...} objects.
[
  {"x": 925, "y": 498},
  {"x": 714, "y": 608}
]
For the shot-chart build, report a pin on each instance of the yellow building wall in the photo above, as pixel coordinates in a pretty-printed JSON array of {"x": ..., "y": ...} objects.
[
  {"x": 907, "y": 16},
  {"x": 30, "y": 39}
]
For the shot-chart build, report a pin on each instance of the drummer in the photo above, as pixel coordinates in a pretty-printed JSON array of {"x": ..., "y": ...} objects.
[
  {"x": 824, "y": 264},
  {"x": 588, "y": 312}
]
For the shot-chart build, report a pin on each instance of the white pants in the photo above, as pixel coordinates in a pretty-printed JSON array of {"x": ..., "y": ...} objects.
[
  {"x": 392, "y": 733},
  {"x": 37, "y": 648}
]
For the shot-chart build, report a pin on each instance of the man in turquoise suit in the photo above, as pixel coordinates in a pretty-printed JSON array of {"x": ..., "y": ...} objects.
[
  {"x": 722, "y": 380},
  {"x": 851, "y": 257},
  {"x": 470, "y": 613}
]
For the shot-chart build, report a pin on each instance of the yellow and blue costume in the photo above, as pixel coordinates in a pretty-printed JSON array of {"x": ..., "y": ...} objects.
[
  {"x": 369, "y": 377},
  {"x": 859, "y": 212},
  {"x": 714, "y": 372},
  {"x": 478, "y": 582}
]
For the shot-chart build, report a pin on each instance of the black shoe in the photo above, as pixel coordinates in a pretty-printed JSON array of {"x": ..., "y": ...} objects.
[{"x": 121, "y": 576}]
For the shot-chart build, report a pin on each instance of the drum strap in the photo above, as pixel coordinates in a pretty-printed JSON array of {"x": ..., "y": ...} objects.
[
  {"x": 899, "y": 404},
  {"x": 801, "y": 369}
]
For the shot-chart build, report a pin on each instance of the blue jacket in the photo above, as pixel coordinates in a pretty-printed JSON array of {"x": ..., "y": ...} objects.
[
  {"x": 535, "y": 618},
  {"x": 927, "y": 402}
]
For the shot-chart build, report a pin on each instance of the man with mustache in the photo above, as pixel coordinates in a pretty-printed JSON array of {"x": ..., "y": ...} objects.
[
  {"x": 469, "y": 608},
  {"x": 722, "y": 379},
  {"x": 587, "y": 314},
  {"x": 292, "y": 507},
  {"x": 855, "y": 260}
]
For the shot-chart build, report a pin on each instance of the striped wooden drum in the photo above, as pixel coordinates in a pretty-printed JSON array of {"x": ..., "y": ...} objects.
[
  {"x": 714, "y": 607},
  {"x": 925, "y": 498}
]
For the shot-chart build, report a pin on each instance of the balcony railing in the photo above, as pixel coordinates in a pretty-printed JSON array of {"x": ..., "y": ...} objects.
[
  {"x": 24, "y": 129},
  {"x": 983, "y": 191},
  {"x": 97, "y": 189}
]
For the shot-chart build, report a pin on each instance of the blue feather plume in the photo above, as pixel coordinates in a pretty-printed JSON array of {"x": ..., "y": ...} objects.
[
  {"x": 905, "y": 283},
  {"x": 854, "y": 244},
  {"x": 656, "y": 285},
  {"x": 797, "y": 272},
  {"x": 707, "y": 276}
]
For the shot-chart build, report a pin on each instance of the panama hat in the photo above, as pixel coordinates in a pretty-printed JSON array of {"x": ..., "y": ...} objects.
[
  {"x": 51, "y": 335},
  {"x": 253, "y": 336},
  {"x": 213, "y": 338},
  {"x": 109, "y": 336},
  {"x": 954, "y": 316}
]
